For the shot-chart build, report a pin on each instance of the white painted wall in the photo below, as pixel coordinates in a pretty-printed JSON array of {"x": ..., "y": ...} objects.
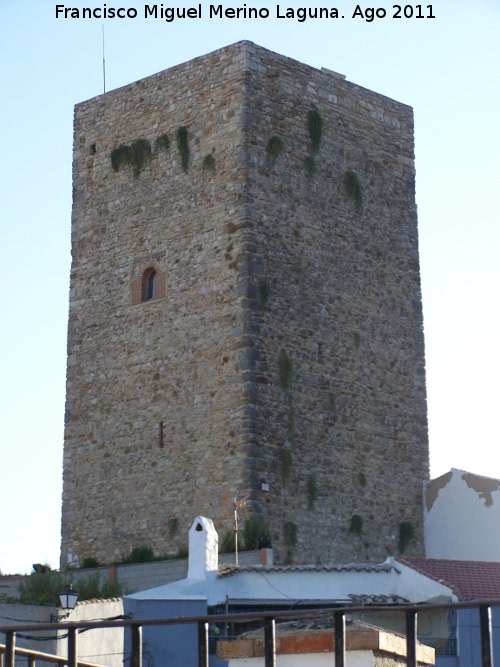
[
  {"x": 462, "y": 517},
  {"x": 21, "y": 614},
  {"x": 353, "y": 659},
  {"x": 203, "y": 548},
  {"x": 391, "y": 578},
  {"x": 104, "y": 646}
]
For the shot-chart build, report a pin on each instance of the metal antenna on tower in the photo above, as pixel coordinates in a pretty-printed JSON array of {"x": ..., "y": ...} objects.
[
  {"x": 103, "y": 60},
  {"x": 237, "y": 505}
]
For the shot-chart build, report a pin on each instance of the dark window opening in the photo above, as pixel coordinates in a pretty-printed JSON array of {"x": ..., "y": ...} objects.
[{"x": 151, "y": 286}]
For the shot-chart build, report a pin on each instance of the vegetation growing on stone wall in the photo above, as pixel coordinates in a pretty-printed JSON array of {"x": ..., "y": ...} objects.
[
  {"x": 134, "y": 156},
  {"x": 310, "y": 166},
  {"x": 228, "y": 544},
  {"x": 290, "y": 534},
  {"x": 145, "y": 554},
  {"x": 141, "y": 553},
  {"x": 362, "y": 479},
  {"x": 286, "y": 462},
  {"x": 183, "y": 146},
  {"x": 255, "y": 530},
  {"x": 312, "y": 492},
  {"x": 356, "y": 524},
  {"x": 274, "y": 148},
  {"x": 290, "y": 432},
  {"x": 353, "y": 189},
  {"x": 162, "y": 142},
  {"x": 357, "y": 339},
  {"x": 290, "y": 540},
  {"x": 315, "y": 127},
  {"x": 209, "y": 162},
  {"x": 120, "y": 156},
  {"x": 285, "y": 366},
  {"x": 264, "y": 292},
  {"x": 332, "y": 404},
  {"x": 182, "y": 552},
  {"x": 406, "y": 534},
  {"x": 173, "y": 526},
  {"x": 89, "y": 562}
]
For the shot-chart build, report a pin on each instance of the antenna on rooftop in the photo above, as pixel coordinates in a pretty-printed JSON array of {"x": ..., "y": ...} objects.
[
  {"x": 237, "y": 505},
  {"x": 103, "y": 60}
]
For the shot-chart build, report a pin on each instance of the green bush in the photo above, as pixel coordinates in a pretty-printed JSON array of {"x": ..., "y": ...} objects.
[
  {"x": 286, "y": 462},
  {"x": 135, "y": 156},
  {"x": 312, "y": 492},
  {"x": 274, "y": 147},
  {"x": 315, "y": 127},
  {"x": 162, "y": 142},
  {"x": 173, "y": 526},
  {"x": 183, "y": 146},
  {"x": 286, "y": 371},
  {"x": 310, "y": 166},
  {"x": 353, "y": 189},
  {"x": 253, "y": 531},
  {"x": 356, "y": 524},
  {"x": 42, "y": 588},
  {"x": 406, "y": 534},
  {"x": 264, "y": 292},
  {"x": 209, "y": 162},
  {"x": 140, "y": 554},
  {"x": 91, "y": 588},
  {"x": 228, "y": 543},
  {"x": 290, "y": 534}
]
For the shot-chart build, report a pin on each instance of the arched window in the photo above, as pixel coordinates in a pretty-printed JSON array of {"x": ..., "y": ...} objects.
[{"x": 150, "y": 285}]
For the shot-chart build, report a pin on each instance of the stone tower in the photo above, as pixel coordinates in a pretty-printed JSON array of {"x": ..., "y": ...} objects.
[{"x": 245, "y": 313}]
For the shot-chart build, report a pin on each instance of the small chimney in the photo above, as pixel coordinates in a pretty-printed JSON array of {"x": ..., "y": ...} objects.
[
  {"x": 203, "y": 548},
  {"x": 266, "y": 556}
]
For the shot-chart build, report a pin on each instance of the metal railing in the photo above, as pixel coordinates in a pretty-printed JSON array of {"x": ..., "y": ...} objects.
[
  {"x": 33, "y": 657},
  {"x": 267, "y": 620}
]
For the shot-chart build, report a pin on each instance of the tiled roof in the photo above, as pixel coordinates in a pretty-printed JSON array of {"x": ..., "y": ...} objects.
[
  {"x": 359, "y": 600},
  {"x": 469, "y": 579},
  {"x": 230, "y": 570}
]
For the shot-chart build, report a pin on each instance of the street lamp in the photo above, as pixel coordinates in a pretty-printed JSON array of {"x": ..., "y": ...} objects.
[{"x": 68, "y": 598}]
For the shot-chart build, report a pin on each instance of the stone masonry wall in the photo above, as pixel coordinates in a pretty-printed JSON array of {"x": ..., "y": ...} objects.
[
  {"x": 176, "y": 403},
  {"x": 169, "y": 361},
  {"x": 344, "y": 447}
]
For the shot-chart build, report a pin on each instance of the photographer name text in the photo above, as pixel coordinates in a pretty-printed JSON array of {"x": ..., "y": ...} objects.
[{"x": 246, "y": 12}]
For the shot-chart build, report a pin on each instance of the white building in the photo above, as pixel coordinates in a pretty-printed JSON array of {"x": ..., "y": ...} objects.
[{"x": 462, "y": 517}]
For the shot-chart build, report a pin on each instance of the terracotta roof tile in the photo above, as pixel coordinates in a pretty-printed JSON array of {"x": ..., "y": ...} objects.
[
  {"x": 230, "y": 570},
  {"x": 469, "y": 579}
]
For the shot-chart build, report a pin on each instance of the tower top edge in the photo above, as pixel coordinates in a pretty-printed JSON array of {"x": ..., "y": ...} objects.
[{"x": 247, "y": 54}]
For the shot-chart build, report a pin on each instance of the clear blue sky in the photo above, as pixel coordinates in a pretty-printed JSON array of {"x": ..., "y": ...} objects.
[{"x": 446, "y": 68}]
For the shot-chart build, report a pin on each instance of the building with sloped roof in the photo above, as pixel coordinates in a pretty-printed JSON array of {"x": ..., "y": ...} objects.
[
  {"x": 462, "y": 517},
  {"x": 240, "y": 588},
  {"x": 468, "y": 579}
]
